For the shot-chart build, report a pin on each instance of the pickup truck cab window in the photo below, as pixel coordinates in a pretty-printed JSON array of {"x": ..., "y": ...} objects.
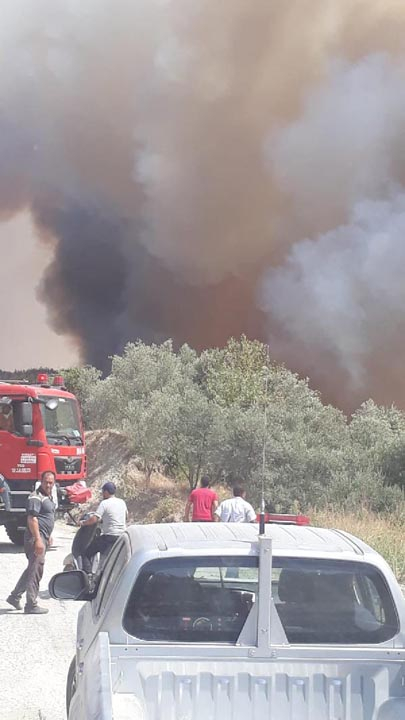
[
  {"x": 192, "y": 599},
  {"x": 208, "y": 600},
  {"x": 333, "y": 602}
]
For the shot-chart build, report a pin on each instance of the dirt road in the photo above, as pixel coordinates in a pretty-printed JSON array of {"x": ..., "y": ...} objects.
[{"x": 35, "y": 651}]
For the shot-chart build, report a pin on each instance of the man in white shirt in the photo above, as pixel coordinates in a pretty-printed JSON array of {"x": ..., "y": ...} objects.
[
  {"x": 112, "y": 512},
  {"x": 236, "y": 509}
]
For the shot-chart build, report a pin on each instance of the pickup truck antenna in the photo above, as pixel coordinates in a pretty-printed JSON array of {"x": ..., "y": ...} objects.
[{"x": 262, "y": 515}]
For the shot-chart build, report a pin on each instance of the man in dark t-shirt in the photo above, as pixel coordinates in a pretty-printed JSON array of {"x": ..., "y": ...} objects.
[
  {"x": 204, "y": 502},
  {"x": 38, "y": 536}
]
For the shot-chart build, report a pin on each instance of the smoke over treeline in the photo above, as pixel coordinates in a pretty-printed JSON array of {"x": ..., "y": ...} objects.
[{"x": 204, "y": 169}]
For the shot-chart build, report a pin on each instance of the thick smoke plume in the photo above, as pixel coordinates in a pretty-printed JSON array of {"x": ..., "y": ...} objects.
[{"x": 202, "y": 169}]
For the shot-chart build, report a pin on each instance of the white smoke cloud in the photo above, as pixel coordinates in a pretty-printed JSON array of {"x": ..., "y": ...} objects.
[
  {"x": 339, "y": 296},
  {"x": 347, "y": 143},
  {"x": 344, "y": 292}
]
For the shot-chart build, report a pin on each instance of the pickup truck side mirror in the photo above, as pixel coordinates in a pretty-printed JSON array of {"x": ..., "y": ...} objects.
[{"x": 71, "y": 585}]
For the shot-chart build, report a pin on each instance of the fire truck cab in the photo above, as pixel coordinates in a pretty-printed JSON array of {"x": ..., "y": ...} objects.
[{"x": 40, "y": 429}]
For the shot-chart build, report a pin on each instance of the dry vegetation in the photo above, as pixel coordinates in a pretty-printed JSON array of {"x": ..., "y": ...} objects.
[
  {"x": 165, "y": 501},
  {"x": 384, "y": 533}
]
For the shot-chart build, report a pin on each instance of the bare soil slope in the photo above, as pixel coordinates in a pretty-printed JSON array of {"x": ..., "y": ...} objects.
[{"x": 110, "y": 458}]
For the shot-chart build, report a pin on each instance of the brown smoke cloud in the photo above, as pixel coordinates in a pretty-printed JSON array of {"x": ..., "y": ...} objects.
[{"x": 203, "y": 169}]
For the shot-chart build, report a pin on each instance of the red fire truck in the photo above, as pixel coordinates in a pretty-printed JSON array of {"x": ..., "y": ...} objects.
[{"x": 40, "y": 429}]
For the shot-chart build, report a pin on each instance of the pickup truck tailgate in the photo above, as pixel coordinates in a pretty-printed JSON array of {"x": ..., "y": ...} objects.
[{"x": 271, "y": 688}]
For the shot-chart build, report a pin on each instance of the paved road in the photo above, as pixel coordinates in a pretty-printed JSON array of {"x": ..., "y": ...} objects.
[{"x": 35, "y": 651}]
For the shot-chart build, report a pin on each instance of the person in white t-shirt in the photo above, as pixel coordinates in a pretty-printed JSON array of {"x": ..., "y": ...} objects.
[
  {"x": 236, "y": 509},
  {"x": 112, "y": 512}
]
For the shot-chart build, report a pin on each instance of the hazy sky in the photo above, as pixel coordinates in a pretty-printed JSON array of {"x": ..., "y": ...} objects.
[{"x": 26, "y": 340}]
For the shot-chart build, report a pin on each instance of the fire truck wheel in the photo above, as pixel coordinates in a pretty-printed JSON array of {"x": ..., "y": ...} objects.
[{"x": 15, "y": 534}]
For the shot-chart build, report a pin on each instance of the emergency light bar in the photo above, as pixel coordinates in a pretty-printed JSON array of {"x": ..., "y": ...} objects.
[
  {"x": 42, "y": 379},
  {"x": 285, "y": 519}
]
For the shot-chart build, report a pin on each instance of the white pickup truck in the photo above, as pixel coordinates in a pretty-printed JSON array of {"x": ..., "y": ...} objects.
[{"x": 212, "y": 622}]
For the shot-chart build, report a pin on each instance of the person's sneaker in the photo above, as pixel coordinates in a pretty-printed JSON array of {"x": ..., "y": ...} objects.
[
  {"x": 35, "y": 610},
  {"x": 15, "y": 602}
]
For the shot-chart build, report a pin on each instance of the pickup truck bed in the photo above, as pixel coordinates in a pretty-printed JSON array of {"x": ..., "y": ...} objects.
[{"x": 233, "y": 685}]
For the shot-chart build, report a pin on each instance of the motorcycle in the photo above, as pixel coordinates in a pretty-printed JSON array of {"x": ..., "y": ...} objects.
[{"x": 81, "y": 541}]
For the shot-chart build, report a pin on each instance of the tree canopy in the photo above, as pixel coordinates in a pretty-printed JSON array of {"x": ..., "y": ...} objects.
[{"x": 190, "y": 414}]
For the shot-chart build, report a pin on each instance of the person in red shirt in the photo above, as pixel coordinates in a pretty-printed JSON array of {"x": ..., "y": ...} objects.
[{"x": 204, "y": 502}]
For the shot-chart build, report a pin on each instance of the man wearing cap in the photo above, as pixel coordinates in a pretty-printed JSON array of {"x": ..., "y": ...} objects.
[{"x": 112, "y": 512}]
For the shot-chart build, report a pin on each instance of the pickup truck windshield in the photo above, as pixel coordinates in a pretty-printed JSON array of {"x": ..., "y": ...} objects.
[
  {"x": 209, "y": 599},
  {"x": 62, "y": 425}
]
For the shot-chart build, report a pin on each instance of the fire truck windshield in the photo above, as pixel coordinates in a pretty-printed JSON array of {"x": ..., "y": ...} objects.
[{"x": 62, "y": 424}]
